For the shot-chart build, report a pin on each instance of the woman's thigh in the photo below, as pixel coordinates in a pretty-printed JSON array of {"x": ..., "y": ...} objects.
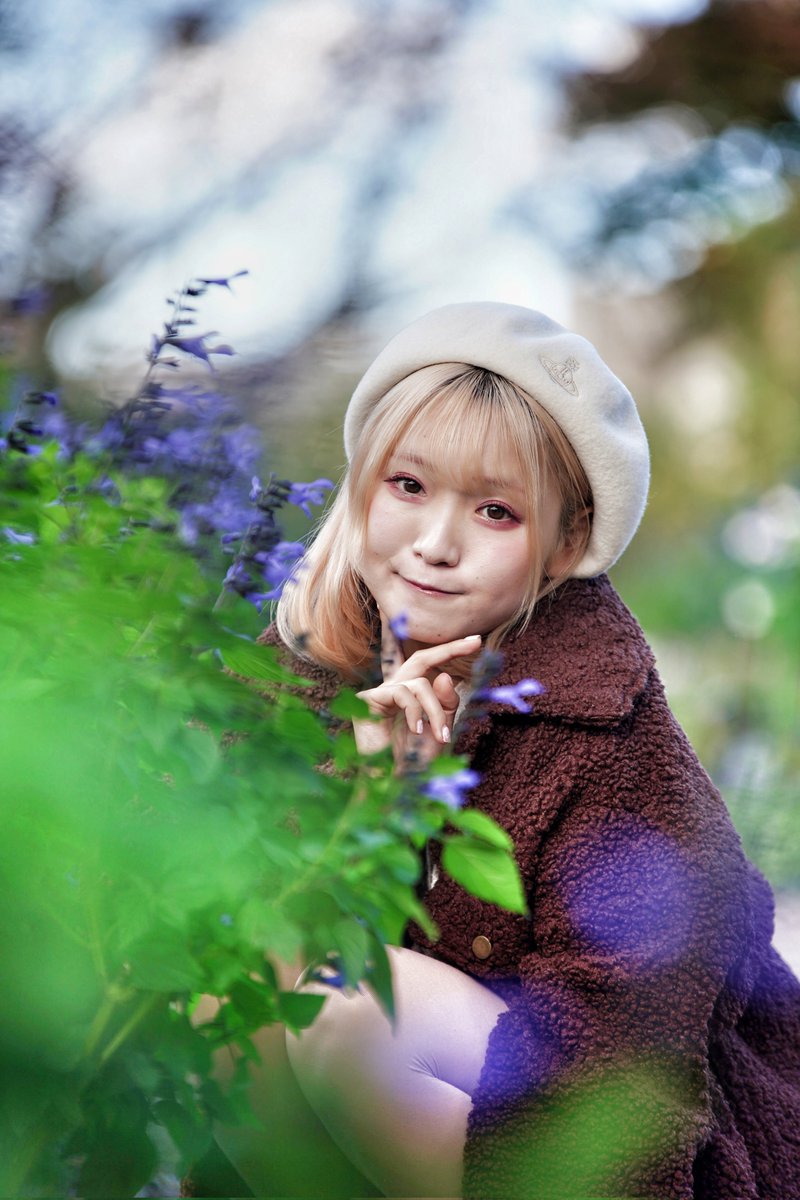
[
  {"x": 397, "y": 1099},
  {"x": 288, "y": 1152}
]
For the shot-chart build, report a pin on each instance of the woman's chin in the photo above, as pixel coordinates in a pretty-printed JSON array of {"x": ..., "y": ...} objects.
[{"x": 422, "y": 638}]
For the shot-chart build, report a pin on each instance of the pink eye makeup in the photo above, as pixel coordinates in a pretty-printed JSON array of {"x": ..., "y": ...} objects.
[
  {"x": 499, "y": 513},
  {"x": 400, "y": 481},
  {"x": 496, "y": 512}
]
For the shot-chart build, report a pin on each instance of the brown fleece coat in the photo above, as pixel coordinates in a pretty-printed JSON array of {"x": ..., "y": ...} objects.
[{"x": 651, "y": 1046}]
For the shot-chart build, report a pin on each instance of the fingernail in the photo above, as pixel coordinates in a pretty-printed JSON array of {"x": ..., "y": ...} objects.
[
  {"x": 420, "y": 726},
  {"x": 445, "y": 734}
]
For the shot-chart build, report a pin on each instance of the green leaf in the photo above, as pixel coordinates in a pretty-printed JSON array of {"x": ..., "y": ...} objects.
[
  {"x": 351, "y": 940},
  {"x": 347, "y": 705},
  {"x": 485, "y": 871},
  {"x": 254, "y": 1001},
  {"x": 119, "y": 1163},
  {"x": 198, "y": 753},
  {"x": 164, "y": 965},
  {"x": 252, "y": 661},
  {"x": 299, "y": 1009},
  {"x": 269, "y": 928},
  {"x": 191, "y": 1136},
  {"x": 346, "y": 753},
  {"x": 474, "y": 821},
  {"x": 379, "y": 978},
  {"x": 313, "y": 907},
  {"x": 403, "y": 862},
  {"x": 233, "y": 1106}
]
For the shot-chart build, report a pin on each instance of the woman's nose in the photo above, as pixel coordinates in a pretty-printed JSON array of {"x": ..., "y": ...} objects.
[{"x": 437, "y": 539}]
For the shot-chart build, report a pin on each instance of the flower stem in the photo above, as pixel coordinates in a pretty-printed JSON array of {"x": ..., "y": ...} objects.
[
  {"x": 337, "y": 833},
  {"x": 147, "y": 1002}
]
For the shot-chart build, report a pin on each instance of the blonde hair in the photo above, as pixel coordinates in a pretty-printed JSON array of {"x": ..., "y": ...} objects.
[{"x": 327, "y": 614}]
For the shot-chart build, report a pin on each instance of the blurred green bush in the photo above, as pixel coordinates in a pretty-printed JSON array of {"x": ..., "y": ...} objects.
[{"x": 168, "y": 831}]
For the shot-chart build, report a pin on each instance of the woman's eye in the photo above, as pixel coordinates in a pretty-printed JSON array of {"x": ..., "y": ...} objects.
[
  {"x": 406, "y": 484},
  {"x": 497, "y": 512}
]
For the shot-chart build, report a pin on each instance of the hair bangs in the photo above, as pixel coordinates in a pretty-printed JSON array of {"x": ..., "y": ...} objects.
[
  {"x": 470, "y": 422},
  {"x": 469, "y": 439}
]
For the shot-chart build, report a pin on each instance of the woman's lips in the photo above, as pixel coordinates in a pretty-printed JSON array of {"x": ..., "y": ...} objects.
[{"x": 427, "y": 588}]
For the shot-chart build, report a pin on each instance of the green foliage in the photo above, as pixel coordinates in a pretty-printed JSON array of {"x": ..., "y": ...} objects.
[
  {"x": 486, "y": 870},
  {"x": 169, "y": 830}
]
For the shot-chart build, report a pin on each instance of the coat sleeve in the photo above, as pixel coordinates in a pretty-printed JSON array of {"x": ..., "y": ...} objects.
[{"x": 596, "y": 1079}]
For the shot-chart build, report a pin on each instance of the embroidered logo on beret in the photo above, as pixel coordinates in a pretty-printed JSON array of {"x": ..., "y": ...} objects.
[{"x": 562, "y": 373}]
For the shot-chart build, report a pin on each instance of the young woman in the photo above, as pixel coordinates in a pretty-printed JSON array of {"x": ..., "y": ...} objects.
[{"x": 636, "y": 1034}]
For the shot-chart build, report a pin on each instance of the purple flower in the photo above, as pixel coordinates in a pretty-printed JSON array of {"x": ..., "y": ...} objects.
[
  {"x": 195, "y": 346},
  {"x": 188, "y": 447},
  {"x": 399, "y": 626},
  {"x": 18, "y": 539},
  {"x": 110, "y": 437},
  {"x": 304, "y": 494},
  {"x": 449, "y": 789},
  {"x": 332, "y": 979},
  {"x": 69, "y": 437},
  {"x": 223, "y": 282},
  {"x": 513, "y": 694},
  {"x": 225, "y": 512},
  {"x": 279, "y": 565},
  {"x": 281, "y": 561},
  {"x": 259, "y": 599},
  {"x": 237, "y": 579},
  {"x": 242, "y": 447}
]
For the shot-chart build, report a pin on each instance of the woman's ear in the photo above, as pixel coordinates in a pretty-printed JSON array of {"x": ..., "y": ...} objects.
[{"x": 571, "y": 545}]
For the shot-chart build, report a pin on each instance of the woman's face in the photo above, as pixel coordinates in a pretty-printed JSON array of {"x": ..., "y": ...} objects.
[{"x": 451, "y": 554}]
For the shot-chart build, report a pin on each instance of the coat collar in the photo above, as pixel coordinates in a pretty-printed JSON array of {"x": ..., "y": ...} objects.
[
  {"x": 582, "y": 644},
  {"x": 588, "y": 651}
]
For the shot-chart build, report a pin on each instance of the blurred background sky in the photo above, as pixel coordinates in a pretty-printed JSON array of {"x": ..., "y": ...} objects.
[
  {"x": 629, "y": 166},
  {"x": 413, "y": 150}
]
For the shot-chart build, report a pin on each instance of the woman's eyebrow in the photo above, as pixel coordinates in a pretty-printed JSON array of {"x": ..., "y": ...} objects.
[{"x": 501, "y": 484}]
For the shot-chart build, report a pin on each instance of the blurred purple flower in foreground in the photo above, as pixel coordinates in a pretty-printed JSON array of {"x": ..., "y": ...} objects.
[
  {"x": 304, "y": 494},
  {"x": 634, "y": 895},
  {"x": 513, "y": 693},
  {"x": 18, "y": 539},
  {"x": 450, "y": 789},
  {"x": 399, "y": 626}
]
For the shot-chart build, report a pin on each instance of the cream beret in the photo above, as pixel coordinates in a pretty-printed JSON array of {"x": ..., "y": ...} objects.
[{"x": 561, "y": 370}]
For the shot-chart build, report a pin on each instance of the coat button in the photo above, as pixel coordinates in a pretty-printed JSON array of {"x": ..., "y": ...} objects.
[{"x": 481, "y": 947}]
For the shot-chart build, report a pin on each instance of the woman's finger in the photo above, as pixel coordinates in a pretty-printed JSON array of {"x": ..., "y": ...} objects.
[
  {"x": 411, "y": 708},
  {"x": 445, "y": 692},
  {"x": 416, "y": 699},
  {"x": 424, "y": 706},
  {"x": 423, "y": 661}
]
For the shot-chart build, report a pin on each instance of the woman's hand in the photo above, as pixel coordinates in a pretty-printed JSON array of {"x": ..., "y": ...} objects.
[{"x": 417, "y": 701}]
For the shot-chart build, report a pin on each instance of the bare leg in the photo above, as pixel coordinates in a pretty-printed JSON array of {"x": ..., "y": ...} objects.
[
  {"x": 290, "y": 1153},
  {"x": 397, "y": 1102}
]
